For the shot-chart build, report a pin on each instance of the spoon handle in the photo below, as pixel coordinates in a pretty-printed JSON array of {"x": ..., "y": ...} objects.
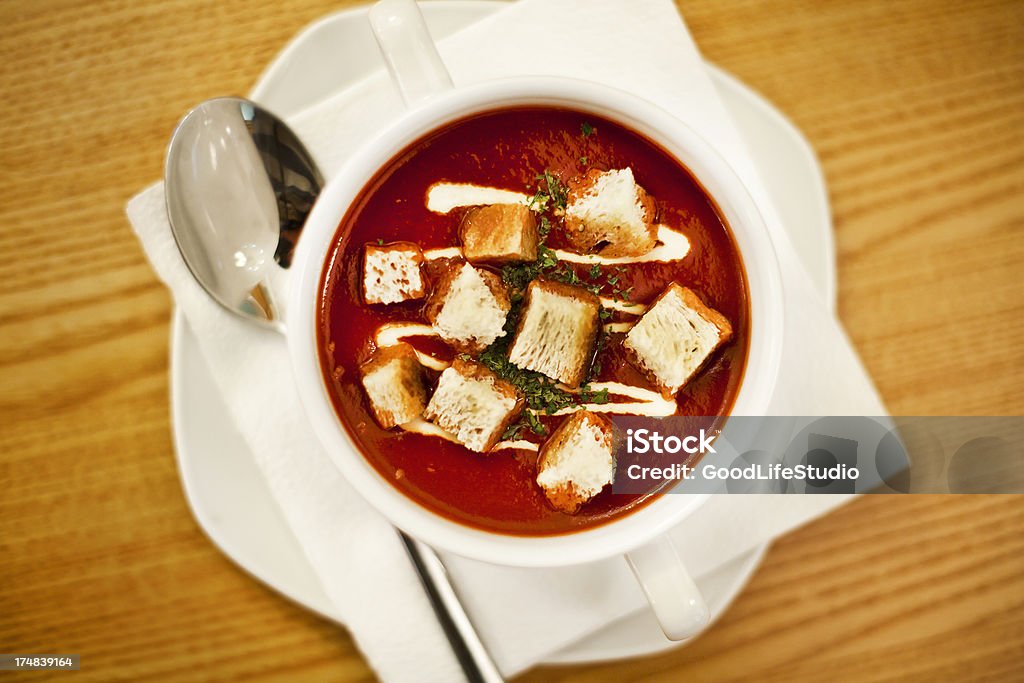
[
  {"x": 470, "y": 652},
  {"x": 409, "y": 51}
]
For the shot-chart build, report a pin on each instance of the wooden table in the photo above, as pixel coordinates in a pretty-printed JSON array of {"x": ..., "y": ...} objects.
[{"x": 916, "y": 110}]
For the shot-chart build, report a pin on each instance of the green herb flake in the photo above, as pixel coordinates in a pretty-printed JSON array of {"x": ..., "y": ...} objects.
[
  {"x": 513, "y": 431},
  {"x": 535, "y": 424},
  {"x": 546, "y": 257},
  {"x": 554, "y": 192},
  {"x": 586, "y": 129},
  {"x": 587, "y": 395},
  {"x": 539, "y": 202},
  {"x": 545, "y": 227},
  {"x": 595, "y": 367},
  {"x": 565, "y": 274}
]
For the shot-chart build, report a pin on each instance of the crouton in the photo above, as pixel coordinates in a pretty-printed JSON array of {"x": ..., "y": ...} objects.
[
  {"x": 576, "y": 461},
  {"x": 468, "y": 307},
  {"x": 393, "y": 380},
  {"x": 557, "y": 331},
  {"x": 609, "y": 214},
  {"x": 499, "y": 233},
  {"x": 393, "y": 273},
  {"x": 473, "y": 405},
  {"x": 674, "y": 338}
]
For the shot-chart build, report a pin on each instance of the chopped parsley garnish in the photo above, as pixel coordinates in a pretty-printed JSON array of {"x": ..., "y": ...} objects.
[
  {"x": 536, "y": 426},
  {"x": 544, "y": 228},
  {"x": 541, "y": 393},
  {"x": 518, "y": 276},
  {"x": 565, "y": 274},
  {"x": 548, "y": 194},
  {"x": 583, "y": 160},
  {"x": 527, "y": 421},
  {"x": 546, "y": 258},
  {"x": 513, "y": 431},
  {"x": 595, "y": 367},
  {"x": 380, "y": 242},
  {"x": 621, "y": 294},
  {"x": 587, "y": 395},
  {"x": 586, "y": 129},
  {"x": 539, "y": 201}
]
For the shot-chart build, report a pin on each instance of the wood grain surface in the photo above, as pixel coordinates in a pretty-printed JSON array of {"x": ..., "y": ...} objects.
[{"x": 916, "y": 110}]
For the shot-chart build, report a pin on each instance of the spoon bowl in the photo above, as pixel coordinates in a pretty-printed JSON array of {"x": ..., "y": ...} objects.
[{"x": 239, "y": 187}]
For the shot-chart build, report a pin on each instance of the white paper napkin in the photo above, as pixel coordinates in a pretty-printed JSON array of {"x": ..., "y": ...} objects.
[{"x": 522, "y": 615}]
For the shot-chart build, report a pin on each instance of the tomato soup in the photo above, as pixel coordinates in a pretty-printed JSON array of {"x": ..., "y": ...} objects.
[{"x": 420, "y": 197}]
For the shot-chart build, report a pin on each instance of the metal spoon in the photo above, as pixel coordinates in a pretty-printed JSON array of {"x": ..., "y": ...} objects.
[{"x": 239, "y": 188}]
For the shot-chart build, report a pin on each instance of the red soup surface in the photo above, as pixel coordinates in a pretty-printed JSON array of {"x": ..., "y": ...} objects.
[{"x": 508, "y": 149}]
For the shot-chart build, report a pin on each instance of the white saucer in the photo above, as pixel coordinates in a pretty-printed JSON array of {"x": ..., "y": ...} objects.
[{"x": 222, "y": 483}]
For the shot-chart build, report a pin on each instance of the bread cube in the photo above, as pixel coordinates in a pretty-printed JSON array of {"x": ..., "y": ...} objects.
[
  {"x": 468, "y": 306},
  {"x": 609, "y": 214},
  {"x": 576, "y": 461},
  {"x": 674, "y": 338},
  {"x": 393, "y": 273},
  {"x": 393, "y": 381},
  {"x": 557, "y": 331},
  {"x": 499, "y": 233},
  {"x": 473, "y": 405}
]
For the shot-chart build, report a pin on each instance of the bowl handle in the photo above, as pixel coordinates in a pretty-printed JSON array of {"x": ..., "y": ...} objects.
[
  {"x": 411, "y": 55},
  {"x": 674, "y": 597}
]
